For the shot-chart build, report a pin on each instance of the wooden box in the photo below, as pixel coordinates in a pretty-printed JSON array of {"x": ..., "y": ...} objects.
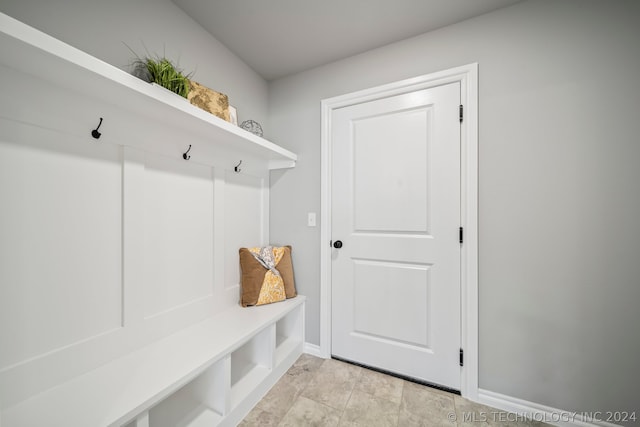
[{"x": 209, "y": 100}]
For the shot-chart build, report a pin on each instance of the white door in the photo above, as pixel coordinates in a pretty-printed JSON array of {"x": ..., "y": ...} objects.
[{"x": 395, "y": 197}]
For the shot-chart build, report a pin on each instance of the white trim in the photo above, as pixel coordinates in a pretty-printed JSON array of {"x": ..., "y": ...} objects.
[
  {"x": 467, "y": 75},
  {"x": 539, "y": 412},
  {"x": 312, "y": 349}
]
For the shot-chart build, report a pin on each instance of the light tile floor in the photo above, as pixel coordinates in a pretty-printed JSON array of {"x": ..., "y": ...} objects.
[{"x": 319, "y": 392}]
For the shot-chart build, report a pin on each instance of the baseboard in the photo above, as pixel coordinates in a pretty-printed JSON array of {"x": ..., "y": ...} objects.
[
  {"x": 312, "y": 349},
  {"x": 537, "y": 412}
]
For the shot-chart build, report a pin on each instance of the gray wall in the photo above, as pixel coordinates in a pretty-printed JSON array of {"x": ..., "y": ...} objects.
[
  {"x": 559, "y": 203},
  {"x": 104, "y": 28},
  {"x": 559, "y": 272}
]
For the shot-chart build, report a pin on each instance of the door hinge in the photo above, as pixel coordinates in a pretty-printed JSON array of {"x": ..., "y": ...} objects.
[
  {"x": 461, "y": 357},
  {"x": 461, "y": 113},
  {"x": 461, "y": 235}
]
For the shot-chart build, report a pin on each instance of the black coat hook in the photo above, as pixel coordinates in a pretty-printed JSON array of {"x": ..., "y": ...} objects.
[
  {"x": 95, "y": 133},
  {"x": 186, "y": 155},
  {"x": 237, "y": 167}
]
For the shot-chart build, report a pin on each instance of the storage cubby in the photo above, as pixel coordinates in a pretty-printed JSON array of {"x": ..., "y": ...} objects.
[
  {"x": 201, "y": 402},
  {"x": 288, "y": 334},
  {"x": 251, "y": 364}
]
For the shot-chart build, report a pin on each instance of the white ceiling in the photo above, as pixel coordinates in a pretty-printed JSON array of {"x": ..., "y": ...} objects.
[{"x": 281, "y": 37}]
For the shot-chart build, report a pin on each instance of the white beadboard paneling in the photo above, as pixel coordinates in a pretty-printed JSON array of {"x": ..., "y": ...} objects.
[
  {"x": 245, "y": 219},
  {"x": 60, "y": 241},
  {"x": 178, "y": 233},
  {"x": 123, "y": 242}
]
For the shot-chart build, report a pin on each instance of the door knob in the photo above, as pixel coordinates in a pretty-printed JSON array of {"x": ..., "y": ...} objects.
[{"x": 337, "y": 244}]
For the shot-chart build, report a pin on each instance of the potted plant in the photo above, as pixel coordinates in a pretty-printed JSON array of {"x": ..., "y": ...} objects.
[{"x": 163, "y": 72}]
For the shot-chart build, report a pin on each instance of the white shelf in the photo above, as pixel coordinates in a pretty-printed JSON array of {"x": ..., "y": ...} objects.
[
  {"x": 32, "y": 52},
  {"x": 202, "y": 402},
  {"x": 252, "y": 376},
  {"x": 181, "y": 411}
]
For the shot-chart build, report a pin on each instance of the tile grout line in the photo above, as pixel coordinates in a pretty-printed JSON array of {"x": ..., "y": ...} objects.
[
  {"x": 355, "y": 383},
  {"x": 400, "y": 405},
  {"x": 455, "y": 411},
  {"x": 296, "y": 396},
  {"x": 402, "y": 400},
  {"x": 312, "y": 377},
  {"x": 313, "y": 373}
]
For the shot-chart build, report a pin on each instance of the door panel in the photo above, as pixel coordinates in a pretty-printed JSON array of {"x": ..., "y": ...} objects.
[
  {"x": 389, "y": 284},
  {"x": 396, "y": 207},
  {"x": 400, "y": 181}
]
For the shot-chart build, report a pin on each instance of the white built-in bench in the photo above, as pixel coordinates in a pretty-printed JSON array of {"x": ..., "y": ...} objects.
[
  {"x": 100, "y": 310},
  {"x": 209, "y": 374}
]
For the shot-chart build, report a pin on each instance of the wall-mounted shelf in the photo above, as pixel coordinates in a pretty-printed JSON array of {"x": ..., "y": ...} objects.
[{"x": 32, "y": 52}]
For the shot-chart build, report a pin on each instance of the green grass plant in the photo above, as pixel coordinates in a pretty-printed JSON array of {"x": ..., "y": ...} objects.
[{"x": 163, "y": 72}]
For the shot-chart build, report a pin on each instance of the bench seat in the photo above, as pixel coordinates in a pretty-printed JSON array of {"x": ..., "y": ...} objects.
[{"x": 227, "y": 363}]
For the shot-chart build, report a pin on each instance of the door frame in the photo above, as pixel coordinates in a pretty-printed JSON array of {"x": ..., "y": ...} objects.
[{"x": 467, "y": 75}]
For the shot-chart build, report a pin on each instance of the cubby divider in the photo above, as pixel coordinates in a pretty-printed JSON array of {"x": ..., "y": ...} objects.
[
  {"x": 288, "y": 334},
  {"x": 251, "y": 364}
]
